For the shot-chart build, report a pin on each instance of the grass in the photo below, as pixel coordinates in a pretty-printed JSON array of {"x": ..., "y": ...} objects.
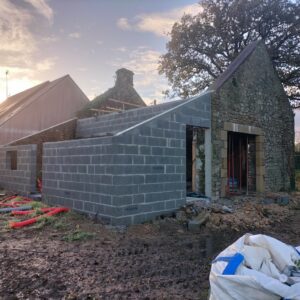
[
  {"x": 37, "y": 205},
  {"x": 78, "y": 235},
  {"x": 44, "y": 221}
]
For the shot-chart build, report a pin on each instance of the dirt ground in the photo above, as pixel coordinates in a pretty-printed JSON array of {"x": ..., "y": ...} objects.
[{"x": 73, "y": 257}]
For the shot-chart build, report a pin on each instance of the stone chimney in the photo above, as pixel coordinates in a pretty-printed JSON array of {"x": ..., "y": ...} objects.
[{"x": 124, "y": 77}]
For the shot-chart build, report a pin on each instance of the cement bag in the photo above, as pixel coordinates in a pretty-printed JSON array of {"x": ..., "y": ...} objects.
[{"x": 256, "y": 267}]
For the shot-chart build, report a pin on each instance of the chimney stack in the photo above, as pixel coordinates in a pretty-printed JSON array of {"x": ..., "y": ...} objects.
[{"x": 124, "y": 77}]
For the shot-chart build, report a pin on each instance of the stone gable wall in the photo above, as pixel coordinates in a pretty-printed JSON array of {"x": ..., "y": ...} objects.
[{"x": 254, "y": 96}]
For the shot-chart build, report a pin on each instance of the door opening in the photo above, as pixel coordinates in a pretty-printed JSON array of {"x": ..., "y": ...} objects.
[
  {"x": 241, "y": 164},
  {"x": 195, "y": 160}
]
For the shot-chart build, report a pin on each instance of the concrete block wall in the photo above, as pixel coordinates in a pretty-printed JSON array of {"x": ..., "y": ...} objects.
[
  {"x": 112, "y": 123},
  {"x": 23, "y": 179},
  {"x": 128, "y": 178},
  {"x": 60, "y": 132}
]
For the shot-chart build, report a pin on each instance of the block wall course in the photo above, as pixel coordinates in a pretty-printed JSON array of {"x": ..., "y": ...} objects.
[
  {"x": 127, "y": 178},
  {"x": 23, "y": 179}
]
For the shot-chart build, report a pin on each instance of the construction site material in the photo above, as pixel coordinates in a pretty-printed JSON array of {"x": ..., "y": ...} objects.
[
  {"x": 54, "y": 211},
  {"x": 157, "y": 260},
  {"x": 22, "y": 206},
  {"x": 22, "y": 209},
  {"x": 28, "y": 212},
  {"x": 256, "y": 264}
]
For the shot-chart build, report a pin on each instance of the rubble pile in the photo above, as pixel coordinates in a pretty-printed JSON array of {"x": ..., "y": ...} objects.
[
  {"x": 249, "y": 216},
  {"x": 239, "y": 213}
]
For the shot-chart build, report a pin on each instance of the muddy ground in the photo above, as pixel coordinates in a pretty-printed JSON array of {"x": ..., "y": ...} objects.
[{"x": 73, "y": 257}]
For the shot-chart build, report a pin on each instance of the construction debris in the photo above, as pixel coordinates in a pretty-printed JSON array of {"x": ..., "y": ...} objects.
[
  {"x": 240, "y": 213},
  {"x": 19, "y": 206}
]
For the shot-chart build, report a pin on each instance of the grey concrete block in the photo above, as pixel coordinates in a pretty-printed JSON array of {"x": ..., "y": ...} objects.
[
  {"x": 122, "y": 200},
  {"x": 158, "y": 150},
  {"x": 170, "y": 204},
  {"x": 127, "y": 189},
  {"x": 150, "y": 187},
  {"x": 78, "y": 205},
  {"x": 145, "y": 150},
  {"x": 158, "y": 206},
  {"x": 138, "y": 159},
  {"x": 138, "y": 198}
]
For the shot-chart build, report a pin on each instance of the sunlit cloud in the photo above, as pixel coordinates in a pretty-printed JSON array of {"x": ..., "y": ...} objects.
[
  {"x": 144, "y": 63},
  {"x": 123, "y": 24},
  {"x": 75, "y": 35},
  {"x": 46, "y": 64},
  {"x": 18, "y": 45},
  {"x": 50, "y": 39},
  {"x": 158, "y": 23},
  {"x": 121, "y": 49},
  {"x": 82, "y": 69},
  {"x": 42, "y": 7}
]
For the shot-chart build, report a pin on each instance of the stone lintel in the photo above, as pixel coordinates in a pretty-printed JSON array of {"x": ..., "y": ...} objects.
[{"x": 243, "y": 128}]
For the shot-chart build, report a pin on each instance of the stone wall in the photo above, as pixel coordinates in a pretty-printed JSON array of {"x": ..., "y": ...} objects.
[
  {"x": 127, "y": 178},
  {"x": 18, "y": 168},
  {"x": 253, "y": 99}
]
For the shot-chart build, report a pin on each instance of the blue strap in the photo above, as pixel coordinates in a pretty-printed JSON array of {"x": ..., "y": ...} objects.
[
  {"x": 233, "y": 263},
  {"x": 297, "y": 250}
]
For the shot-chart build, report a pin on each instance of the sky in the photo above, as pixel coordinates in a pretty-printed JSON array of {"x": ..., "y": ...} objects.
[
  {"x": 43, "y": 40},
  {"x": 89, "y": 39}
]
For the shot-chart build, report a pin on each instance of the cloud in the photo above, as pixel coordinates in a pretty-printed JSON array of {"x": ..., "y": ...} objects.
[
  {"x": 42, "y": 8},
  {"x": 75, "y": 35},
  {"x": 99, "y": 42},
  {"x": 123, "y": 24},
  {"x": 50, "y": 39},
  {"x": 143, "y": 61},
  {"x": 121, "y": 49},
  {"x": 14, "y": 34},
  {"x": 159, "y": 24},
  {"x": 18, "y": 45},
  {"x": 46, "y": 64},
  {"x": 18, "y": 80}
]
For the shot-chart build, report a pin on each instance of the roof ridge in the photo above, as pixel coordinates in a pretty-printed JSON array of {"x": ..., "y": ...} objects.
[
  {"x": 234, "y": 65},
  {"x": 47, "y": 88}
]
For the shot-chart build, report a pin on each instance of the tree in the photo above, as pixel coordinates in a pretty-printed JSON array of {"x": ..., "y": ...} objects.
[{"x": 202, "y": 46}]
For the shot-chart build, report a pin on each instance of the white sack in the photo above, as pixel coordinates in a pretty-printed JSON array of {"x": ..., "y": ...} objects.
[{"x": 260, "y": 275}]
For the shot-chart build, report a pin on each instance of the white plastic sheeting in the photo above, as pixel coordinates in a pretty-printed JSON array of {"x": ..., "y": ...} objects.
[{"x": 255, "y": 267}]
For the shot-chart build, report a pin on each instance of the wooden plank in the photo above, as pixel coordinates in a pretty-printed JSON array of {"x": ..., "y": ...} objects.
[
  {"x": 101, "y": 110},
  {"x": 113, "y": 108},
  {"x": 124, "y": 102},
  {"x": 194, "y": 158}
]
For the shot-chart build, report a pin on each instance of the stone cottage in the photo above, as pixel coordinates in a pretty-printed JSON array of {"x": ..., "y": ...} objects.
[{"x": 130, "y": 166}]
